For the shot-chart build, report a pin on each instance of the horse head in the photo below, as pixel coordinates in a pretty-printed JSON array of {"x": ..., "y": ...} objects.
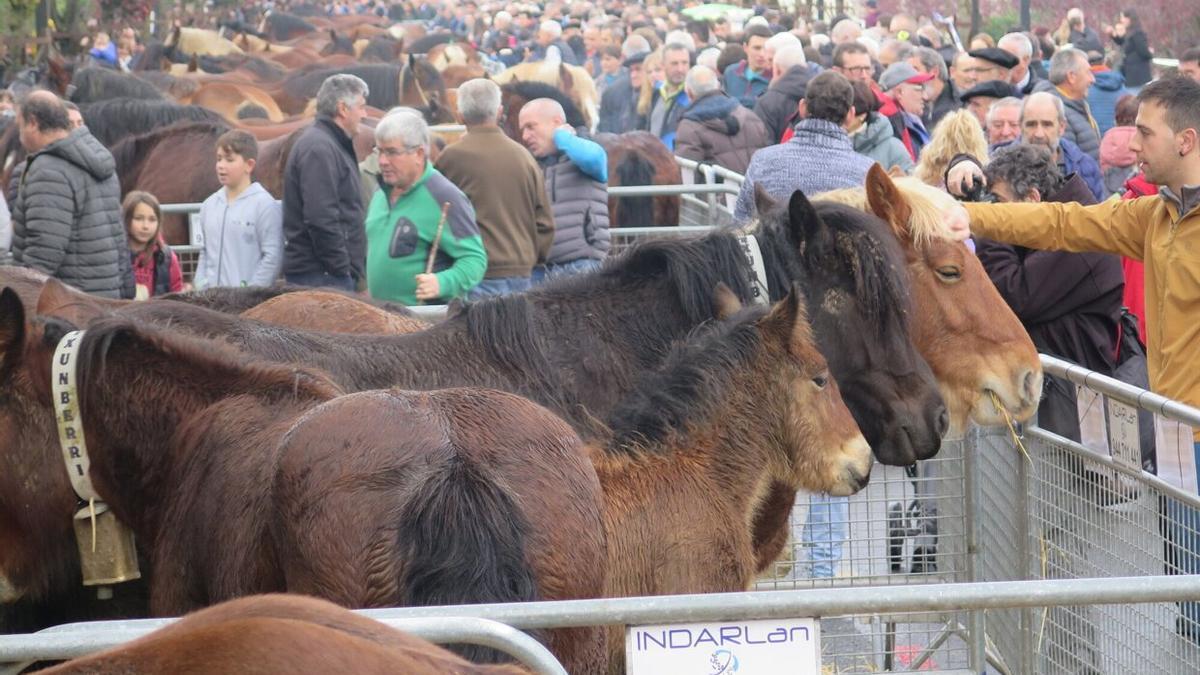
[
  {"x": 973, "y": 342},
  {"x": 37, "y": 549},
  {"x": 852, "y": 272}
]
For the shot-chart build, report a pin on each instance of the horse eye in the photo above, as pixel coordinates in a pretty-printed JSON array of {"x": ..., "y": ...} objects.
[
  {"x": 820, "y": 381},
  {"x": 949, "y": 273}
]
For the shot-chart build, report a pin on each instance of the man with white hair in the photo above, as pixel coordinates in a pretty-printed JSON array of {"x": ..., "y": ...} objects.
[
  {"x": 775, "y": 43},
  {"x": 1022, "y": 76},
  {"x": 777, "y": 107},
  {"x": 506, "y": 187},
  {"x": 500, "y": 37},
  {"x": 403, "y": 221},
  {"x": 1081, "y": 37},
  {"x": 576, "y": 174},
  {"x": 548, "y": 41},
  {"x": 1072, "y": 77},
  {"x": 322, "y": 193},
  {"x": 715, "y": 128}
]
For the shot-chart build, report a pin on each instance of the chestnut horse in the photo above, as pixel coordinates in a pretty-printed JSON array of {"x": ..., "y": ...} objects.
[
  {"x": 374, "y": 499},
  {"x": 333, "y": 312},
  {"x": 744, "y": 403},
  {"x": 277, "y": 634}
]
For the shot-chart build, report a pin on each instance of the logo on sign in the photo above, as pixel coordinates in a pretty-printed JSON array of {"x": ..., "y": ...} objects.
[{"x": 723, "y": 662}]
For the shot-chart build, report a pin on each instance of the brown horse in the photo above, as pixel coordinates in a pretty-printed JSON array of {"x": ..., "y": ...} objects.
[
  {"x": 448, "y": 497},
  {"x": 333, "y": 312},
  {"x": 634, "y": 158},
  {"x": 640, "y": 158},
  {"x": 277, "y": 634},
  {"x": 746, "y": 403},
  {"x": 227, "y": 98},
  {"x": 973, "y": 342},
  {"x": 571, "y": 80}
]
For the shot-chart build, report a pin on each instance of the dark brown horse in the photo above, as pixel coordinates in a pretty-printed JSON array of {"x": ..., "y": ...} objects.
[
  {"x": 745, "y": 403},
  {"x": 634, "y": 158},
  {"x": 334, "y": 312},
  {"x": 412, "y": 82},
  {"x": 240, "y": 478},
  {"x": 277, "y": 634},
  {"x": 578, "y": 345}
]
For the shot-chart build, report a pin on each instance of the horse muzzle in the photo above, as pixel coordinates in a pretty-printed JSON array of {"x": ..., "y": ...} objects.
[
  {"x": 857, "y": 461},
  {"x": 8, "y": 592}
]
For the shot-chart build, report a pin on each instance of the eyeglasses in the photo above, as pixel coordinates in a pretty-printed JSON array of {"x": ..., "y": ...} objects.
[
  {"x": 394, "y": 153},
  {"x": 858, "y": 69}
]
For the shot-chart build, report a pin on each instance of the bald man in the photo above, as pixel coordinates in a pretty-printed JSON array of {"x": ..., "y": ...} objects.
[{"x": 576, "y": 171}]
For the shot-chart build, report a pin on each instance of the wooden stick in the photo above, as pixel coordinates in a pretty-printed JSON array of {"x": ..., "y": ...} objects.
[{"x": 437, "y": 239}]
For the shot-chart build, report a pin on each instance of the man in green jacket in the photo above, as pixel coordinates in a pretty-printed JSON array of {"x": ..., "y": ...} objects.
[{"x": 403, "y": 221}]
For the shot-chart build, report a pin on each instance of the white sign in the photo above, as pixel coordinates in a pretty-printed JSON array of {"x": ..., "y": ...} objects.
[
  {"x": 1124, "y": 435},
  {"x": 760, "y": 647}
]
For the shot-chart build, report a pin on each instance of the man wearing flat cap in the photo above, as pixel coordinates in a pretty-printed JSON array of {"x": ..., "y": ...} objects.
[
  {"x": 903, "y": 98},
  {"x": 979, "y": 99},
  {"x": 993, "y": 63}
]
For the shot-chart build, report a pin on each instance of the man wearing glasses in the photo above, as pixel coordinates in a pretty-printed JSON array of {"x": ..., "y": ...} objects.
[
  {"x": 854, "y": 61},
  {"x": 404, "y": 221},
  {"x": 903, "y": 104}
]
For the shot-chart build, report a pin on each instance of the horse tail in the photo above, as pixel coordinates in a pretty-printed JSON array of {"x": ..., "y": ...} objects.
[
  {"x": 462, "y": 540},
  {"x": 634, "y": 170}
]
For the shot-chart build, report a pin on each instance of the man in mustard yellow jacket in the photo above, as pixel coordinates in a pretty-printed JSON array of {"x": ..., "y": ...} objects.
[{"x": 1161, "y": 231}]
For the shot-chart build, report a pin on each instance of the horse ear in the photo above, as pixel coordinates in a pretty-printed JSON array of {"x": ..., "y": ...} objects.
[
  {"x": 789, "y": 317},
  {"x": 803, "y": 222},
  {"x": 193, "y": 64},
  {"x": 887, "y": 202},
  {"x": 725, "y": 302},
  {"x": 61, "y": 301},
  {"x": 763, "y": 201},
  {"x": 12, "y": 329},
  {"x": 565, "y": 78},
  {"x": 333, "y": 36}
]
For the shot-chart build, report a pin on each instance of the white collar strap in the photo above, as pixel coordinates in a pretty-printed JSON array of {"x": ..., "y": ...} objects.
[
  {"x": 65, "y": 390},
  {"x": 760, "y": 293}
]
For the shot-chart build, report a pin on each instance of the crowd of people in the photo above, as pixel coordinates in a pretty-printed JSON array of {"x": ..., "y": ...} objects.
[{"x": 1071, "y": 116}]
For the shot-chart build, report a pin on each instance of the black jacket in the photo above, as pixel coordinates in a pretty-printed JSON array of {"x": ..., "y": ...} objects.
[
  {"x": 943, "y": 105},
  {"x": 322, "y": 205},
  {"x": 618, "y": 107},
  {"x": 777, "y": 106},
  {"x": 1136, "y": 65},
  {"x": 1069, "y": 302}
]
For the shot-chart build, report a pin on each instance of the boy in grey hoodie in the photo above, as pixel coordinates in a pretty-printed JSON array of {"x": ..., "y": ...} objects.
[{"x": 241, "y": 224}]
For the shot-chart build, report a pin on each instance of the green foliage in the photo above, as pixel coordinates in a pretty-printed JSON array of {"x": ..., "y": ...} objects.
[{"x": 999, "y": 23}]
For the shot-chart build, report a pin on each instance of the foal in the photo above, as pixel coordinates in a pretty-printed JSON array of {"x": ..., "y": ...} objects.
[{"x": 696, "y": 447}]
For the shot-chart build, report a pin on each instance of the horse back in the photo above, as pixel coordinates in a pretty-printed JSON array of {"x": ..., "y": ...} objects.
[{"x": 445, "y": 497}]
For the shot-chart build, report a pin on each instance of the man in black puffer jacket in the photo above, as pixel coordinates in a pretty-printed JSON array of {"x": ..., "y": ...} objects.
[
  {"x": 777, "y": 107},
  {"x": 67, "y": 214}
]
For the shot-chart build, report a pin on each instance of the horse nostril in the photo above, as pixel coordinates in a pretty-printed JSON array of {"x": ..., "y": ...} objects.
[{"x": 1031, "y": 386}]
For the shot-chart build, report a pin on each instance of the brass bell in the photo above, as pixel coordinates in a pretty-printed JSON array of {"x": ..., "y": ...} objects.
[{"x": 107, "y": 553}]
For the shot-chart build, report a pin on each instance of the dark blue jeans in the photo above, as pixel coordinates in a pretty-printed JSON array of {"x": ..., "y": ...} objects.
[
  {"x": 494, "y": 287},
  {"x": 1183, "y": 553},
  {"x": 321, "y": 280}
]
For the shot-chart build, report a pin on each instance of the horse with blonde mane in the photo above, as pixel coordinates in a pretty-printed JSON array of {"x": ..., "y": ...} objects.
[{"x": 572, "y": 80}]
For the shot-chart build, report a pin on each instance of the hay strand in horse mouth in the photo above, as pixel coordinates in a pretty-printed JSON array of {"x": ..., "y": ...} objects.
[
  {"x": 437, "y": 238},
  {"x": 1012, "y": 429}
]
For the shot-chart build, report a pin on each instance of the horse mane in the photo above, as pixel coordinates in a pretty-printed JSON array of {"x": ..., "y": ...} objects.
[
  {"x": 211, "y": 356},
  {"x": 530, "y": 90},
  {"x": 110, "y": 121},
  {"x": 927, "y": 203},
  {"x": 504, "y": 328},
  {"x": 861, "y": 246},
  {"x": 101, "y": 84},
  {"x": 383, "y": 82},
  {"x": 429, "y": 41},
  {"x": 693, "y": 268},
  {"x": 692, "y": 381},
  {"x": 129, "y": 153},
  {"x": 380, "y": 49},
  {"x": 280, "y": 25}
]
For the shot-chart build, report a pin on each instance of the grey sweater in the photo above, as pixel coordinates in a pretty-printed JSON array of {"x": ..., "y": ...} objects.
[{"x": 67, "y": 217}]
